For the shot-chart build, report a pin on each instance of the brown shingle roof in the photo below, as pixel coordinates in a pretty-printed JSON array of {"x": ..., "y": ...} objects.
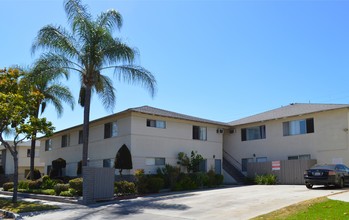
[
  {"x": 288, "y": 111},
  {"x": 160, "y": 112}
]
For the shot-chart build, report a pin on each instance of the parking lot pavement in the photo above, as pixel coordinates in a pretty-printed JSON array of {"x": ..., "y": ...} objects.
[{"x": 227, "y": 203}]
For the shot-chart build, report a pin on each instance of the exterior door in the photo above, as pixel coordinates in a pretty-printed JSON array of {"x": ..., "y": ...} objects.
[{"x": 218, "y": 166}]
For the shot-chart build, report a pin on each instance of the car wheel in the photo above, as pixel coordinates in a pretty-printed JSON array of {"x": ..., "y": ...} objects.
[
  {"x": 309, "y": 186},
  {"x": 341, "y": 183}
]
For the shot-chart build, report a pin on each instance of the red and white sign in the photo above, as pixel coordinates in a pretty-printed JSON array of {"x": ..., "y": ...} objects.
[{"x": 275, "y": 165}]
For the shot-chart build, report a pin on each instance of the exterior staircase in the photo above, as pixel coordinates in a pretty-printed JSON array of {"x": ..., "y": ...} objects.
[{"x": 233, "y": 168}]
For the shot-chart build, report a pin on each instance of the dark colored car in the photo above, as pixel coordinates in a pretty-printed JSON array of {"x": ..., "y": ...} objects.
[{"x": 327, "y": 174}]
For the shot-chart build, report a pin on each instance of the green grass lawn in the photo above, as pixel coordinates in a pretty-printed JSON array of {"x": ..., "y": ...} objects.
[
  {"x": 22, "y": 206},
  {"x": 320, "y": 208}
]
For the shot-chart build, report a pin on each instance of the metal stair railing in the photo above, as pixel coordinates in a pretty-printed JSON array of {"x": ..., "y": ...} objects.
[{"x": 232, "y": 161}]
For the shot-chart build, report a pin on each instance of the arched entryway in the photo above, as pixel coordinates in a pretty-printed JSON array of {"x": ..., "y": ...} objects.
[{"x": 123, "y": 159}]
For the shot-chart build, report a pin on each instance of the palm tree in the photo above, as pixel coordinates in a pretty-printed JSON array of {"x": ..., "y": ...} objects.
[
  {"x": 90, "y": 50},
  {"x": 45, "y": 78}
]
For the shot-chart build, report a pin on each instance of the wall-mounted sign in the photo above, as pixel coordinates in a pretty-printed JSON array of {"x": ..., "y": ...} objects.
[{"x": 275, "y": 165}]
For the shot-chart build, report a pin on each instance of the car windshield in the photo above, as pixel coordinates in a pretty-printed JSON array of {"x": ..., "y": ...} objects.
[{"x": 324, "y": 167}]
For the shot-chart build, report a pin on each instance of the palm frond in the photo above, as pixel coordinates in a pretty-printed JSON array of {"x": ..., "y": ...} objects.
[
  {"x": 57, "y": 93},
  {"x": 136, "y": 75},
  {"x": 77, "y": 13},
  {"x": 105, "y": 91},
  {"x": 110, "y": 20},
  {"x": 57, "y": 40},
  {"x": 114, "y": 51},
  {"x": 59, "y": 61}
]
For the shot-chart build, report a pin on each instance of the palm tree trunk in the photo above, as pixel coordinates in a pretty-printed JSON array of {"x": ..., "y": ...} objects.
[
  {"x": 86, "y": 125},
  {"x": 15, "y": 178}
]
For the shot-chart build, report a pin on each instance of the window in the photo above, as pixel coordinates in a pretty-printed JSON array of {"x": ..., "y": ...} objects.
[
  {"x": 110, "y": 130},
  {"x": 28, "y": 152},
  {"x": 48, "y": 145},
  {"x": 253, "y": 133},
  {"x": 300, "y": 157},
  {"x": 261, "y": 159},
  {"x": 298, "y": 127},
  {"x": 81, "y": 138},
  {"x": 107, "y": 163},
  {"x": 199, "y": 133},
  {"x": 156, "y": 123},
  {"x": 65, "y": 140},
  {"x": 157, "y": 161}
]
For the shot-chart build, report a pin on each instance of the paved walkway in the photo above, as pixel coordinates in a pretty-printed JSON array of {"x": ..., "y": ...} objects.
[{"x": 228, "y": 203}]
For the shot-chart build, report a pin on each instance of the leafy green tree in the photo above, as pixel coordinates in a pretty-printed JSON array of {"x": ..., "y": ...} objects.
[
  {"x": 90, "y": 50},
  {"x": 18, "y": 101},
  {"x": 45, "y": 79},
  {"x": 193, "y": 163}
]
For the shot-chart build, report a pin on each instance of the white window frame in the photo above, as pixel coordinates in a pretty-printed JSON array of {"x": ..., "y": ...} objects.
[
  {"x": 114, "y": 130},
  {"x": 253, "y": 133},
  {"x": 298, "y": 127},
  {"x": 156, "y": 123},
  {"x": 155, "y": 161},
  {"x": 67, "y": 142},
  {"x": 202, "y": 133},
  {"x": 48, "y": 145}
]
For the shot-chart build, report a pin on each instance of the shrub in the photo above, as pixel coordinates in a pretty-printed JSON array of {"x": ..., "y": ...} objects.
[
  {"x": 60, "y": 188},
  {"x": 73, "y": 191},
  {"x": 34, "y": 184},
  {"x": 154, "y": 184},
  {"x": 142, "y": 183},
  {"x": 23, "y": 184},
  {"x": 139, "y": 172},
  {"x": 66, "y": 193},
  {"x": 47, "y": 182},
  {"x": 200, "y": 179},
  {"x": 37, "y": 175},
  {"x": 185, "y": 183},
  {"x": 169, "y": 174},
  {"x": 76, "y": 184},
  {"x": 125, "y": 188},
  {"x": 219, "y": 179},
  {"x": 7, "y": 186},
  {"x": 149, "y": 184},
  {"x": 267, "y": 179}
]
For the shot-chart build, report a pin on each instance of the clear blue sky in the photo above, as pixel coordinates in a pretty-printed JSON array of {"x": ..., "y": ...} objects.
[{"x": 219, "y": 60}]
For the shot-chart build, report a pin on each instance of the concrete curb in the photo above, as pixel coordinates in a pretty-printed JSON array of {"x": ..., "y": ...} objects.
[{"x": 43, "y": 197}]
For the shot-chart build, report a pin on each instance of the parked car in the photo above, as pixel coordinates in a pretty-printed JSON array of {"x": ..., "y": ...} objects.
[{"x": 327, "y": 174}]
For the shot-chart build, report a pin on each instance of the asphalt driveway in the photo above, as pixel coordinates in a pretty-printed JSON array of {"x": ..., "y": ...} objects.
[{"x": 228, "y": 203}]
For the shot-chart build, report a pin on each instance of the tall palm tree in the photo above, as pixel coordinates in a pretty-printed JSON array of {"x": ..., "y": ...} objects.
[
  {"x": 44, "y": 78},
  {"x": 91, "y": 50}
]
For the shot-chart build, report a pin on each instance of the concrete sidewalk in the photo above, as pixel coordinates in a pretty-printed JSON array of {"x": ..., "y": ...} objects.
[{"x": 344, "y": 196}]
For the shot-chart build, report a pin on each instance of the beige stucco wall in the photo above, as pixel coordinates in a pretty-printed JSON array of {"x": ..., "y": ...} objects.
[
  {"x": 143, "y": 142},
  {"x": 23, "y": 160},
  {"x": 328, "y": 142},
  {"x": 99, "y": 148},
  {"x": 149, "y": 142}
]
